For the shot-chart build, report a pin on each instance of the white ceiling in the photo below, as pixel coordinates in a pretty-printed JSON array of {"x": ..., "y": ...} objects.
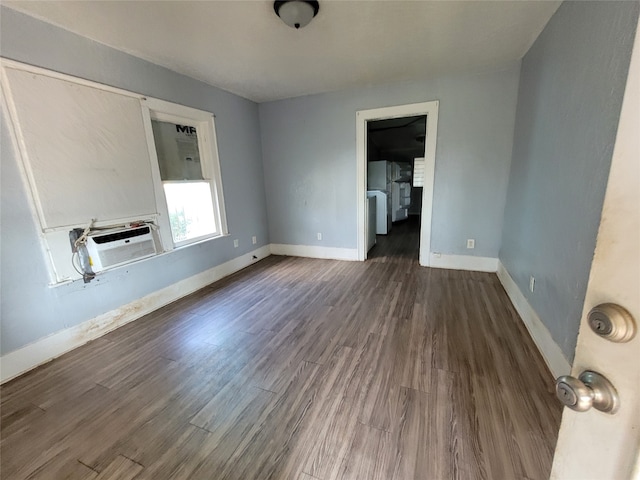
[{"x": 243, "y": 47}]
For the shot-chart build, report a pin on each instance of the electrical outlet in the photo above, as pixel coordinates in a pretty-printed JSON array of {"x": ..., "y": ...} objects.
[
  {"x": 254, "y": 240},
  {"x": 532, "y": 284},
  {"x": 236, "y": 243},
  {"x": 471, "y": 243},
  {"x": 319, "y": 236}
]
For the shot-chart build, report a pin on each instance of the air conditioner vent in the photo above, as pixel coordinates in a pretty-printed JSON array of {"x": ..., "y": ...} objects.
[
  {"x": 114, "y": 248},
  {"x": 122, "y": 235},
  {"x": 127, "y": 253}
]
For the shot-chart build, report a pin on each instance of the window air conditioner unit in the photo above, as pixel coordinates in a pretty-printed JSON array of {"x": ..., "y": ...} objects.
[{"x": 117, "y": 247}]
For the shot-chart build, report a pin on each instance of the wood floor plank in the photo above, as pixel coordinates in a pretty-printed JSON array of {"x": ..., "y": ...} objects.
[
  {"x": 413, "y": 350},
  {"x": 355, "y": 389},
  {"x": 410, "y": 439},
  {"x": 61, "y": 467},
  {"x": 297, "y": 368},
  {"x": 452, "y": 445},
  {"x": 56, "y": 433},
  {"x": 281, "y": 422},
  {"x": 304, "y": 476},
  {"x": 231, "y": 403},
  {"x": 183, "y": 456},
  {"x": 18, "y": 417},
  {"x": 313, "y": 448},
  {"x": 368, "y": 455},
  {"x": 121, "y": 469}
]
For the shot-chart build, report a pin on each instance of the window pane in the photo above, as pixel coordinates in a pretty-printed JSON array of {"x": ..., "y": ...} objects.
[
  {"x": 418, "y": 172},
  {"x": 190, "y": 210},
  {"x": 177, "y": 148}
]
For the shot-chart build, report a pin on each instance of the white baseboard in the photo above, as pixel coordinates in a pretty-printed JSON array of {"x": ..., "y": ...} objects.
[
  {"x": 463, "y": 262},
  {"x": 30, "y": 356},
  {"x": 313, "y": 251},
  {"x": 549, "y": 349}
]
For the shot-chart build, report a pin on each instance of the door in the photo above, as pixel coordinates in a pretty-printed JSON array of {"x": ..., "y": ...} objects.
[{"x": 592, "y": 444}]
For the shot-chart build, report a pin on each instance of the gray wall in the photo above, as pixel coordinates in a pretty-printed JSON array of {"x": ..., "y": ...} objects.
[
  {"x": 571, "y": 88},
  {"x": 309, "y": 154},
  {"x": 30, "y": 309}
]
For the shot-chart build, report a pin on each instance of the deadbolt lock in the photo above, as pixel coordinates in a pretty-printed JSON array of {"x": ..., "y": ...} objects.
[
  {"x": 589, "y": 390},
  {"x": 612, "y": 322}
]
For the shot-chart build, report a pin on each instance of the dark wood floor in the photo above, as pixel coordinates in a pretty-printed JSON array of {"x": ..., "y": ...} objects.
[{"x": 298, "y": 369}]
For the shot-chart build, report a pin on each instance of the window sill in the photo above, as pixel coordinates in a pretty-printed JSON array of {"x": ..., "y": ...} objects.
[{"x": 197, "y": 241}]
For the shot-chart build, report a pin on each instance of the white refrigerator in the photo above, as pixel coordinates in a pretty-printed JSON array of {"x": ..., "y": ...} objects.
[{"x": 379, "y": 176}]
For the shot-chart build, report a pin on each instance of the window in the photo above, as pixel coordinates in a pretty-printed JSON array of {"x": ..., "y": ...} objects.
[
  {"x": 101, "y": 158},
  {"x": 190, "y": 209},
  {"x": 187, "y": 173},
  {"x": 188, "y": 195},
  {"x": 419, "y": 168}
]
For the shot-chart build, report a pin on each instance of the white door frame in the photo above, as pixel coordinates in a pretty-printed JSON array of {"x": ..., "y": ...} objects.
[{"x": 430, "y": 109}]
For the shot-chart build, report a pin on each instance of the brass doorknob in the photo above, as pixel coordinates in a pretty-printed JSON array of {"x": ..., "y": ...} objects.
[{"x": 589, "y": 390}]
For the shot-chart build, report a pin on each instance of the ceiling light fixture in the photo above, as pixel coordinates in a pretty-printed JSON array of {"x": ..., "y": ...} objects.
[{"x": 296, "y": 13}]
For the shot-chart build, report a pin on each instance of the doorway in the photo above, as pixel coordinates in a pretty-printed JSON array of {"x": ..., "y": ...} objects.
[
  {"x": 363, "y": 117},
  {"x": 395, "y": 178}
]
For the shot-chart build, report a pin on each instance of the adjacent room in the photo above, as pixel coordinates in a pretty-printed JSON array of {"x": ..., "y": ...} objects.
[{"x": 318, "y": 240}]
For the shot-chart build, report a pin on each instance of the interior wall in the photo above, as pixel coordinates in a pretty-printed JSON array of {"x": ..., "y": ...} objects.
[
  {"x": 571, "y": 87},
  {"x": 309, "y": 154},
  {"x": 30, "y": 308}
]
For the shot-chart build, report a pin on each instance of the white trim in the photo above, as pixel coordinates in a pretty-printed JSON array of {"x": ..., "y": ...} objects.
[
  {"x": 164, "y": 233},
  {"x": 20, "y": 148},
  {"x": 6, "y": 63},
  {"x": 32, "y": 202},
  {"x": 168, "y": 111},
  {"x": 46, "y": 349},
  {"x": 313, "y": 251},
  {"x": 548, "y": 348},
  {"x": 463, "y": 262},
  {"x": 216, "y": 173},
  {"x": 426, "y": 210},
  {"x": 430, "y": 109}
]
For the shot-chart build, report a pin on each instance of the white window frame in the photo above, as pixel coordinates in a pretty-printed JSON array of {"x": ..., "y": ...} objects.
[
  {"x": 204, "y": 122},
  {"x": 421, "y": 161}
]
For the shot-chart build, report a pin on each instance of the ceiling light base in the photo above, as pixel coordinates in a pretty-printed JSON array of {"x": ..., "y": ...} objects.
[{"x": 296, "y": 13}]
